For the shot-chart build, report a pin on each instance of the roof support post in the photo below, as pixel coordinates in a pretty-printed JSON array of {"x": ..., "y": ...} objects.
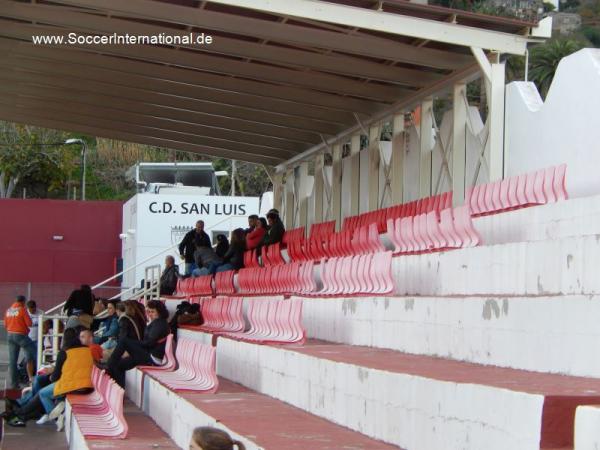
[
  {"x": 301, "y": 195},
  {"x": 278, "y": 187},
  {"x": 397, "y": 162},
  {"x": 496, "y": 118},
  {"x": 459, "y": 143},
  {"x": 318, "y": 187},
  {"x": 336, "y": 185},
  {"x": 374, "y": 162},
  {"x": 290, "y": 209},
  {"x": 354, "y": 175},
  {"x": 426, "y": 139}
]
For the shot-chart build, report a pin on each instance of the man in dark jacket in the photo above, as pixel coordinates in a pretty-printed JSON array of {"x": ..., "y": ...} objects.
[
  {"x": 169, "y": 277},
  {"x": 276, "y": 229},
  {"x": 193, "y": 238}
]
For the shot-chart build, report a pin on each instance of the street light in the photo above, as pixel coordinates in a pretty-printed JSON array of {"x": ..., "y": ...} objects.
[{"x": 83, "y": 162}]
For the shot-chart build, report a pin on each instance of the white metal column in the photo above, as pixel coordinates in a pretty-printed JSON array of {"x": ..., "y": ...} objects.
[
  {"x": 336, "y": 185},
  {"x": 355, "y": 175},
  {"x": 374, "y": 162},
  {"x": 426, "y": 138},
  {"x": 318, "y": 187},
  {"x": 459, "y": 144},
  {"x": 301, "y": 195},
  {"x": 397, "y": 162},
  {"x": 289, "y": 199}
]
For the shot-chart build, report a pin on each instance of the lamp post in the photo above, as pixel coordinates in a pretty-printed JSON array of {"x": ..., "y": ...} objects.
[{"x": 83, "y": 162}]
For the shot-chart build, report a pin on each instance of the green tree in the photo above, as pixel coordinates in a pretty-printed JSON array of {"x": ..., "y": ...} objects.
[{"x": 544, "y": 60}]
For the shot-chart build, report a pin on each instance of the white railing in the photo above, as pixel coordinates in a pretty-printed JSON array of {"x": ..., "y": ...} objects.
[{"x": 55, "y": 335}]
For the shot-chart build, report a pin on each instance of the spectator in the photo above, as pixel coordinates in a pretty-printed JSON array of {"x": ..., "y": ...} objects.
[
  {"x": 35, "y": 314},
  {"x": 255, "y": 237},
  {"x": 222, "y": 245},
  {"x": 80, "y": 307},
  {"x": 276, "y": 229},
  {"x": 205, "y": 258},
  {"x": 18, "y": 323},
  {"x": 128, "y": 326},
  {"x": 193, "y": 238},
  {"x": 234, "y": 258},
  {"x": 72, "y": 373},
  {"x": 169, "y": 277},
  {"x": 252, "y": 219},
  {"x": 208, "y": 438},
  {"x": 86, "y": 337},
  {"x": 150, "y": 351},
  {"x": 109, "y": 327}
]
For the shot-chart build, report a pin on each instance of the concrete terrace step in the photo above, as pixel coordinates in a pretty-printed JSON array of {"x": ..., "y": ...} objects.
[
  {"x": 514, "y": 332},
  {"x": 143, "y": 434},
  {"x": 415, "y": 402},
  {"x": 257, "y": 420}
]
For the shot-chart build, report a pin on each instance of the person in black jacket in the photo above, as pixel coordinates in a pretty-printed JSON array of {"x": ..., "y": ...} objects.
[
  {"x": 222, "y": 245},
  {"x": 169, "y": 277},
  {"x": 81, "y": 301},
  {"x": 147, "y": 352},
  {"x": 276, "y": 229},
  {"x": 193, "y": 238},
  {"x": 234, "y": 258},
  {"x": 128, "y": 326}
]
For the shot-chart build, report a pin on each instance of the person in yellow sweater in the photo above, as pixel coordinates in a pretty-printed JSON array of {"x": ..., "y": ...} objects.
[{"x": 72, "y": 374}]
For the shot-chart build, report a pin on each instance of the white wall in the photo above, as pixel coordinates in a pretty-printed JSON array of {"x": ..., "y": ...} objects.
[{"x": 563, "y": 129}]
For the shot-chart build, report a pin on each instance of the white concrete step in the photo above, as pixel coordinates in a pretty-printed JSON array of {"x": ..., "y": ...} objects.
[
  {"x": 415, "y": 402},
  {"x": 566, "y": 266},
  {"x": 545, "y": 334},
  {"x": 587, "y": 429}
]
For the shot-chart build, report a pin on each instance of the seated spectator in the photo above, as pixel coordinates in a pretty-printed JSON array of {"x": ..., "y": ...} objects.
[
  {"x": 205, "y": 257},
  {"x": 128, "y": 326},
  {"x": 255, "y": 237},
  {"x": 169, "y": 277},
  {"x": 80, "y": 307},
  {"x": 234, "y": 258},
  {"x": 149, "y": 351},
  {"x": 109, "y": 327},
  {"x": 208, "y": 438},
  {"x": 222, "y": 245},
  {"x": 72, "y": 373},
  {"x": 276, "y": 229},
  {"x": 252, "y": 219},
  {"x": 86, "y": 337}
]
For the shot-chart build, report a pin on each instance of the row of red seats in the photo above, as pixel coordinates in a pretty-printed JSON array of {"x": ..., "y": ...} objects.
[
  {"x": 100, "y": 414},
  {"x": 193, "y": 287},
  {"x": 292, "y": 278},
  {"x": 273, "y": 321},
  {"x": 196, "y": 368},
  {"x": 535, "y": 188},
  {"x": 452, "y": 228},
  {"x": 220, "y": 314},
  {"x": 381, "y": 216},
  {"x": 360, "y": 274},
  {"x": 271, "y": 255},
  {"x": 224, "y": 282},
  {"x": 321, "y": 231}
]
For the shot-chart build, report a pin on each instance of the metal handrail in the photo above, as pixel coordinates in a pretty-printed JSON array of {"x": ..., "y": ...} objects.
[
  {"x": 124, "y": 271},
  {"x": 55, "y": 336}
]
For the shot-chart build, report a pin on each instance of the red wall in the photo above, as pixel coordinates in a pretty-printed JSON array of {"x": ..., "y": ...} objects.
[{"x": 86, "y": 254}]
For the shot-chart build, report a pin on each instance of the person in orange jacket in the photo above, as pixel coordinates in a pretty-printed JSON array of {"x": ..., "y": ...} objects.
[{"x": 17, "y": 322}]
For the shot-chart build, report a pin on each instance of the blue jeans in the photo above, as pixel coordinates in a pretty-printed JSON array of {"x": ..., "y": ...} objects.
[
  {"x": 39, "y": 381},
  {"x": 16, "y": 342},
  {"x": 47, "y": 397},
  {"x": 201, "y": 272},
  {"x": 224, "y": 268},
  {"x": 189, "y": 268}
]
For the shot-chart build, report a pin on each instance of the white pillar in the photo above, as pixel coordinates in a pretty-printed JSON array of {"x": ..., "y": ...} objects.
[
  {"x": 496, "y": 118},
  {"x": 318, "y": 187},
  {"x": 336, "y": 185},
  {"x": 426, "y": 137},
  {"x": 397, "y": 162},
  {"x": 290, "y": 209},
  {"x": 354, "y": 175},
  {"x": 374, "y": 162},
  {"x": 301, "y": 194},
  {"x": 278, "y": 188},
  {"x": 459, "y": 144}
]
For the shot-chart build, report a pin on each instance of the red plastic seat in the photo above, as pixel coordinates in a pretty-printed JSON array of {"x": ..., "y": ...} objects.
[
  {"x": 250, "y": 258},
  {"x": 463, "y": 225},
  {"x": 168, "y": 362},
  {"x": 272, "y": 255},
  {"x": 196, "y": 368},
  {"x": 101, "y": 416},
  {"x": 224, "y": 282},
  {"x": 559, "y": 182}
]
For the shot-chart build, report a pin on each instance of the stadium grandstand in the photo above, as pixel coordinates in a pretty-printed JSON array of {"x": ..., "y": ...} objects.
[{"x": 435, "y": 287}]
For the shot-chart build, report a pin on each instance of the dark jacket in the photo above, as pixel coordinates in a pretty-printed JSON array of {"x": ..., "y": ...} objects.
[
  {"x": 127, "y": 329},
  {"x": 235, "y": 255},
  {"x": 204, "y": 256},
  {"x": 222, "y": 248},
  {"x": 190, "y": 241},
  {"x": 274, "y": 233},
  {"x": 79, "y": 300},
  {"x": 154, "y": 337},
  {"x": 168, "y": 280}
]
